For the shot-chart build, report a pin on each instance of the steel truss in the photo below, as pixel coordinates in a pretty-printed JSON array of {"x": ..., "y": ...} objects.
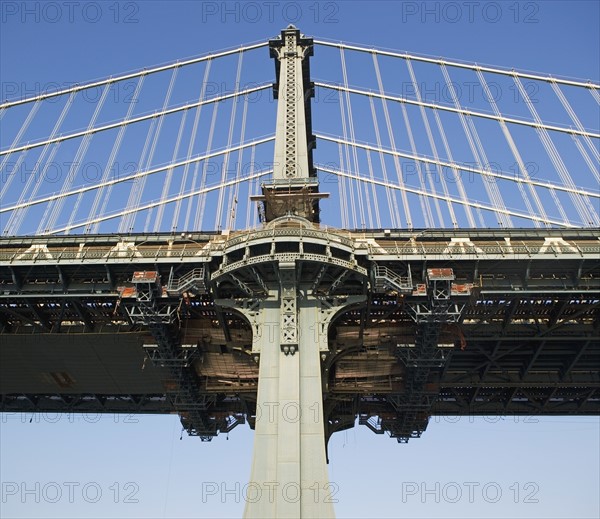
[{"x": 515, "y": 332}]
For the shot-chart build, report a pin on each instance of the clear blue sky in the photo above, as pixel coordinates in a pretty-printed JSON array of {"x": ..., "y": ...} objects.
[{"x": 543, "y": 468}]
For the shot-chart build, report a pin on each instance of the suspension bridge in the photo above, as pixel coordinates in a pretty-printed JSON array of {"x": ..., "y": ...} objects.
[{"x": 384, "y": 238}]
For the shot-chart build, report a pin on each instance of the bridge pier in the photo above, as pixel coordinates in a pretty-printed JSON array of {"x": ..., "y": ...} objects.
[{"x": 289, "y": 469}]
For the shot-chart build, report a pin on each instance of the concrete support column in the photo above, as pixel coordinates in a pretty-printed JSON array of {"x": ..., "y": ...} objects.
[
  {"x": 289, "y": 469},
  {"x": 289, "y": 477}
]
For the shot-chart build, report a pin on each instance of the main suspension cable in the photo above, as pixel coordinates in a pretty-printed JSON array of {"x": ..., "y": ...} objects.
[
  {"x": 471, "y": 66},
  {"x": 455, "y": 200},
  {"x": 141, "y": 118},
  {"x": 464, "y": 111},
  {"x": 149, "y": 205},
  {"x": 145, "y": 72}
]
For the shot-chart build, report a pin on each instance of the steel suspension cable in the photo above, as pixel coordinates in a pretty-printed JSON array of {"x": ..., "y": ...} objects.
[
  {"x": 199, "y": 216},
  {"x": 550, "y": 152},
  {"x": 252, "y": 190},
  {"x": 461, "y": 167},
  {"x": 168, "y": 178},
  {"x": 464, "y": 125},
  {"x": 464, "y": 111},
  {"x": 458, "y": 64},
  {"x": 191, "y": 144},
  {"x": 433, "y": 146},
  {"x": 102, "y": 196},
  {"x": 32, "y": 113},
  {"x": 155, "y": 139},
  {"x": 11, "y": 175},
  {"x": 569, "y": 109},
  {"x": 141, "y": 73},
  {"x": 455, "y": 200},
  {"x": 492, "y": 189},
  {"x": 343, "y": 195},
  {"x": 57, "y": 207},
  {"x": 585, "y": 210},
  {"x": 593, "y": 166},
  {"x": 455, "y": 171},
  {"x": 373, "y": 190},
  {"x": 125, "y": 224},
  {"x": 354, "y": 154},
  {"x": 433, "y": 149},
  {"x": 134, "y": 176},
  {"x": 234, "y": 191},
  {"x": 391, "y": 198},
  {"x": 478, "y": 154},
  {"x": 149, "y": 205},
  {"x": 567, "y": 106},
  {"x": 138, "y": 188},
  {"x": 220, "y": 210},
  {"x": 386, "y": 114},
  {"x": 424, "y": 201},
  {"x": 350, "y": 186},
  {"x": 515, "y": 151},
  {"x": 135, "y": 120},
  {"x": 16, "y": 217}
]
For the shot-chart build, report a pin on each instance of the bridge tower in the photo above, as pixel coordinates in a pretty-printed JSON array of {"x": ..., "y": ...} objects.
[{"x": 288, "y": 311}]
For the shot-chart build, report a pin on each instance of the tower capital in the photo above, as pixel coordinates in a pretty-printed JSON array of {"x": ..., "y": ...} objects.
[{"x": 294, "y": 188}]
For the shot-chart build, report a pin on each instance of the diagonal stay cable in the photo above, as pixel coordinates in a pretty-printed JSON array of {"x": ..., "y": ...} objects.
[
  {"x": 22, "y": 130},
  {"x": 480, "y": 205},
  {"x": 464, "y": 111},
  {"x": 461, "y": 167},
  {"x": 141, "y": 118},
  {"x": 157, "y": 203},
  {"x": 134, "y": 176}
]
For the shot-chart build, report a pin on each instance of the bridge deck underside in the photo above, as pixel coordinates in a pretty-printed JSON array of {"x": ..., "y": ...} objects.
[{"x": 528, "y": 343}]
